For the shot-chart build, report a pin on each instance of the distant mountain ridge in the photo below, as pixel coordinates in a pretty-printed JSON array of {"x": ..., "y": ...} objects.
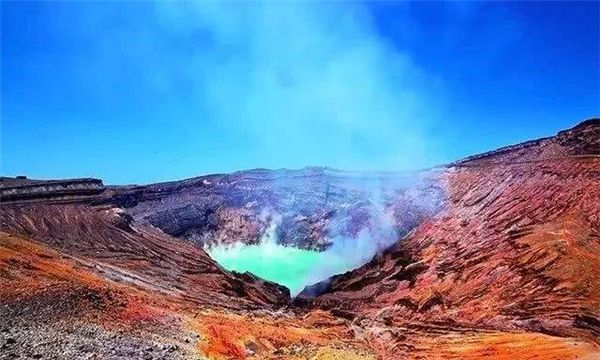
[{"x": 581, "y": 140}]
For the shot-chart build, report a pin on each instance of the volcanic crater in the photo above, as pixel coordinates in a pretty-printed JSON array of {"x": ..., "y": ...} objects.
[{"x": 494, "y": 256}]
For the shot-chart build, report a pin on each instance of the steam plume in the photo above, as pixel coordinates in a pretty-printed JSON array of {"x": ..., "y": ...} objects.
[{"x": 301, "y": 82}]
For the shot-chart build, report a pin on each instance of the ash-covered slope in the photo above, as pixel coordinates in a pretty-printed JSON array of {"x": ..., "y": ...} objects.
[
  {"x": 80, "y": 278},
  {"x": 516, "y": 246}
]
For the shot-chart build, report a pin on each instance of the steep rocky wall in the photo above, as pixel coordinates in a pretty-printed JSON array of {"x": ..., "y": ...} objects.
[
  {"x": 517, "y": 246},
  {"x": 311, "y": 206}
]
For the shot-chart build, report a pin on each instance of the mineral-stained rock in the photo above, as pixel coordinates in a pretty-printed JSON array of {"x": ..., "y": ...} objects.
[
  {"x": 137, "y": 254},
  {"x": 516, "y": 246}
]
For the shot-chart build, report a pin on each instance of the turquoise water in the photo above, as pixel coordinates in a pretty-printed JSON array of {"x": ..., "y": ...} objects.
[{"x": 292, "y": 267}]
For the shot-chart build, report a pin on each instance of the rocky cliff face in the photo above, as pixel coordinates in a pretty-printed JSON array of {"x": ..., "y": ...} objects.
[{"x": 310, "y": 206}]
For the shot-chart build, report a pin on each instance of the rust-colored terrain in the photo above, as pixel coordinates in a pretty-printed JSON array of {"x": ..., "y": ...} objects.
[{"x": 505, "y": 266}]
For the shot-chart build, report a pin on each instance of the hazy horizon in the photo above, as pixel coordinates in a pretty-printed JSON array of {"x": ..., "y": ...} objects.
[
  {"x": 146, "y": 92},
  {"x": 308, "y": 167}
]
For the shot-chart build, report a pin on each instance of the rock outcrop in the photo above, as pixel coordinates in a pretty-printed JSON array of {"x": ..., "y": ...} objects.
[{"x": 23, "y": 189}]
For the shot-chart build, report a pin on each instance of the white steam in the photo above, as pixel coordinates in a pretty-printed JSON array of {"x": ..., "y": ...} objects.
[
  {"x": 297, "y": 268},
  {"x": 303, "y": 83}
]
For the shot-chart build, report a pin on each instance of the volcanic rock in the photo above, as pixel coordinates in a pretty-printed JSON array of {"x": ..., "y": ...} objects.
[
  {"x": 309, "y": 206},
  {"x": 516, "y": 247}
]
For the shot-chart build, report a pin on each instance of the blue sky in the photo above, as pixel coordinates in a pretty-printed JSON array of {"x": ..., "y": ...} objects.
[{"x": 137, "y": 92}]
